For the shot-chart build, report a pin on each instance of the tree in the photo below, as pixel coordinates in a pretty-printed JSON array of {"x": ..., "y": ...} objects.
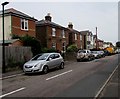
[
  {"x": 33, "y": 43},
  {"x": 72, "y": 48}
]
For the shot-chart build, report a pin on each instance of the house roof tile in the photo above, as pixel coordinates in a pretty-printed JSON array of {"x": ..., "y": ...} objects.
[
  {"x": 45, "y": 22},
  {"x": 15, "y": 12}
]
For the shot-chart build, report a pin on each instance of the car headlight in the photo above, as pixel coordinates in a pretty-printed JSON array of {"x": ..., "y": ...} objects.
[{"x": 38, "y": 65}]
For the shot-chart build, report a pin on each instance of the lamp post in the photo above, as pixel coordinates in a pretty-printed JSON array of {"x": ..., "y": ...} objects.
[
  {"x": 96, "y": 39},
  {"x": 3, "y": 44}
]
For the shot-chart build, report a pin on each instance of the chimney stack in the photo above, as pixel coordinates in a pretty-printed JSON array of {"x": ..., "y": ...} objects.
[
  {"x": 48, "y": 17},
  {"x": 70, "y": 25}
]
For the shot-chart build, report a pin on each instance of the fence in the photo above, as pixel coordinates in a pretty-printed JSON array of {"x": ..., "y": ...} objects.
[
  {"x": 16, "y": 54},
  {"x": 70, "y": 56}
]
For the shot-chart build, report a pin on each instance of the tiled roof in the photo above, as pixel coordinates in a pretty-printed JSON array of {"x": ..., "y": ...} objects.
[
  {"x": 45, "y": 22},
  {"x": 12, "y": 11},
  {"x": 84, "y": 32},
  {"x": 73, "y": 30}
]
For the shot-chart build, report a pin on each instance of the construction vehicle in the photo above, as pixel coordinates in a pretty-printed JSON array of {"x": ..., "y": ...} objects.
[{"x": 110, "y": 50}]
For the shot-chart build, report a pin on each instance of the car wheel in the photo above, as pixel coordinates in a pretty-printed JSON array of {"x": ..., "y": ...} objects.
[
  {"x": 78, "y": 60},
  {"x": 89, "y": 59},
  {"x": 45, "y": 69},
  {"x": 62, "y": 65}
]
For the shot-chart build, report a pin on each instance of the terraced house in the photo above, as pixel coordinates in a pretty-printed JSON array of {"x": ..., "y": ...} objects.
[
  {"x": 51, "y": 35},
  {"x": 17, "y": 23},
  {"x": 88, "y": 41},
  {"x": 75, "y": 37}
]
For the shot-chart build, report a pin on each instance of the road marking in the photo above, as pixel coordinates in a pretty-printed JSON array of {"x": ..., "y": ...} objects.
[
  {"x": 101, "y": 89},
  {"x": 11, "y": 76},
  {"x": 59, "y": 75},
  {"x": 12, "y": 92}
]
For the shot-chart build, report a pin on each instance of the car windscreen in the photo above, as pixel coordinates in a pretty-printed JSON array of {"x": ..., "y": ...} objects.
[
  {"x": 40, "y": 57},
  {"x": 81, "y": 51},
  {"x": 94, "y": 52}
]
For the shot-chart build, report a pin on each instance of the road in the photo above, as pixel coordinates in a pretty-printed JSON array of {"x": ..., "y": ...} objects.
[{"x": 78, "y": 79}]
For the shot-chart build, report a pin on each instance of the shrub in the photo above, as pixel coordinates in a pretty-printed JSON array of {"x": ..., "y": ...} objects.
[
  {"x": 13, "y": 65},
  {"x": 33, "y": 43},
  {"x": 72, "y": 48},
  {"x": 46, "y": 50}
]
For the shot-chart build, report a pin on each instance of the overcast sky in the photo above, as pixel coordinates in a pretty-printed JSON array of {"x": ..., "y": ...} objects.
[{"x": 83, "y": 15}]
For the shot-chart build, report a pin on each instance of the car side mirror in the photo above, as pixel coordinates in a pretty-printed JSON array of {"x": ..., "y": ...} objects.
[{"x": 50, "y": 59}]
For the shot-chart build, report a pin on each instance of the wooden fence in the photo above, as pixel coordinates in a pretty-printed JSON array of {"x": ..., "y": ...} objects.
[{"x": 16, "y": 54}]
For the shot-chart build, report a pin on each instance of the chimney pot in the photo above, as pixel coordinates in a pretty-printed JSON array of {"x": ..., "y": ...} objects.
[
  {"x": 70, "y": 25},
  {"x": 48, "y": 17}
]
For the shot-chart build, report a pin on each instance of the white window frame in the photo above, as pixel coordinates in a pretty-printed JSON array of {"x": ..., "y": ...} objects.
[
  {"x": 24, "y": 24},
  {"x": 75, "y": 36},
  {"x": 53, "y": 32},
  {"x": 80, "y": 37},
  {"x": 54, "y": 45},
  {"x": 63, "y": 34}
]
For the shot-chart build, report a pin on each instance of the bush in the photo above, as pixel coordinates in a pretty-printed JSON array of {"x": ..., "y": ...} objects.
[
  {"x": 46, "y": 50},
  {"x": 33, "y": 43},
  {"x": 72, "y": 48},
  {"x": 13, "y": 65}
]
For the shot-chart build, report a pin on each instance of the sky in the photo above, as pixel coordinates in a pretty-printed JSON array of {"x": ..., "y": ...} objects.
[{"x": 83, "y": 15}]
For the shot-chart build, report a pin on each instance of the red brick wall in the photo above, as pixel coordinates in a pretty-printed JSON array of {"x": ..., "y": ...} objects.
[
  {"x": 16, "y": 27},
  {"x": 41, "y": 35},
  {"x": 44, "y": 34},
  {"x": 78, "y": 41},
  {"x": 57, "y": 39}
]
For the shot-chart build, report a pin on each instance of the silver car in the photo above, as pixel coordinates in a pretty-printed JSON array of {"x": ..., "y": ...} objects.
[
  {"x": 44, "y": 62},
  {"x": 84, "y": 55},
  {"x": 96, "y": 54}
]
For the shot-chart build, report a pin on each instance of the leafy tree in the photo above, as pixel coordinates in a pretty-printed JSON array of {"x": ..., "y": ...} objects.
[
  {"x": 32, "y": 42},
  {"x": 14, "y": 36},
  {"x": 72, "y": 48},
  {"x": 46, "y": 50}
]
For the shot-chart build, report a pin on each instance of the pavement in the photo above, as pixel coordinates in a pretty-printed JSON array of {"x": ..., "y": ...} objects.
[
  {"x": 112, "y": 88},
  {"x": 11, "y": 73}
]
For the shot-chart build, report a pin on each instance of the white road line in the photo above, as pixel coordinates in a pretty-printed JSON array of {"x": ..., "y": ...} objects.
[
  {"x": 59, "y": 75},
  {"x": 12, "y": 92},
  {"x": 101, "y": 89},
  {"x": 11, "y": 76}
]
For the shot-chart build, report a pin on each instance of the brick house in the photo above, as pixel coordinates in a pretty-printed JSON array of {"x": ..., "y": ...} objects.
[
  {"x": 88, "y": 41},
  {"x": 17, "y": 23},
  {"x": 51, "y": 35},
  {"x": 100, "y": 43},
  {"x": 75, "y": 37}
]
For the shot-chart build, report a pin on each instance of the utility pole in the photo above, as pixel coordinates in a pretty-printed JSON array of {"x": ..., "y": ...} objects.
[{"x": 96, "y": 39}]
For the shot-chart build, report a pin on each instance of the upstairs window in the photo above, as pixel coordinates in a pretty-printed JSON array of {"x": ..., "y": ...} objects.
[
  {"x": 80, "y": 37},
  {"x": 75, "y": 36},
  {"x": 63, "y": 34},
  {"x": 54, "y": 45},
  {"x": 24, "y": 24},
  {"x": 53, "y": 32}
]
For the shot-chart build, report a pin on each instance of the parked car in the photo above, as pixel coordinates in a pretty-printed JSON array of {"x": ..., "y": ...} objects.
[
  {"x": 101, "y": 53},
  {"x": 117, "y": 51},
  {"x": 84, "y": 55},
  {"x": 106, "y": 53},
  {"x": 96, "y": 54},
  {"x": 44, "y": 62}
]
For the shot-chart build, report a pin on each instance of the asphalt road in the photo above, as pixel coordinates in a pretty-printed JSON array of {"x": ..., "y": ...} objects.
[{"x": 78, "y": 79}]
